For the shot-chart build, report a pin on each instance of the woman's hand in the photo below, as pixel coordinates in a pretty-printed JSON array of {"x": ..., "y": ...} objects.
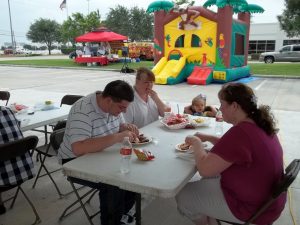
[
  {"x": 194, "y": 141},
  {"x": 203, "y": 137},
  {"x": 152, "y": 93}
]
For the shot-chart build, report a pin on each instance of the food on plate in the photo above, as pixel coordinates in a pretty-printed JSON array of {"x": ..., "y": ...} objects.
[
  {"x": 48, "y": 102},
  {"x": 199, "y": 120},
  {"x": 176, "y": 119},
  {"x": 17, "y": 107},
  {"x": 141, "y": 139},
  {"x": 184, "y": 146}
]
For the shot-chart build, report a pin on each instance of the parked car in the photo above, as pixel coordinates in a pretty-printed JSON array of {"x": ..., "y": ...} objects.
[
  {"x": 288, "y": 53},
  {"x": 23, "y": 51}
]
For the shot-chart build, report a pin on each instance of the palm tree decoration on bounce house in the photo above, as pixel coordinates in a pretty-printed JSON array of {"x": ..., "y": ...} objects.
[{"x": 199, "y": 45}]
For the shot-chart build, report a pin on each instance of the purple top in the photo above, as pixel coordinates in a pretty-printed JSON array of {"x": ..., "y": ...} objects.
[{"x": 257, "y": 166}]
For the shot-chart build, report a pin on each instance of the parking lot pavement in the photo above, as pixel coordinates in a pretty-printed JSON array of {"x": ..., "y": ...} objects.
[{"x": 31, "y": 85}]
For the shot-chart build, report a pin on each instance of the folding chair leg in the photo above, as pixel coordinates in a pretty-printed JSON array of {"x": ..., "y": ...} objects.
[
  {"x": 40, "y": 169},
  {"x": 49, "y": 174},
  {"x": 66, "y": 213},
  {"x": 37, "y": 217},
  {"x": 92, "y": 195},
  {"x": 15, "y": 197},
  {"x": 81, "y": 203}
]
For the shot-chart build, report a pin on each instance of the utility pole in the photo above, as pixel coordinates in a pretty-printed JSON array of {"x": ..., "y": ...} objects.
[
  {"x": 88, "y": 6},
  {"x": 11, "y": 30}
]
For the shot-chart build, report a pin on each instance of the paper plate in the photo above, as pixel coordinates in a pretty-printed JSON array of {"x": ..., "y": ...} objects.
[
  {"x": 177, "y": 147},
  {"x": 143, "y": 143},
  {"x": 200, "y": 121}
]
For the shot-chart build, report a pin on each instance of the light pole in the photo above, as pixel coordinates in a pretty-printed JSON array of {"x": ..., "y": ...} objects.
[
  {"x": 88, "y": 6},
  {"x": 11, "y": 30}
]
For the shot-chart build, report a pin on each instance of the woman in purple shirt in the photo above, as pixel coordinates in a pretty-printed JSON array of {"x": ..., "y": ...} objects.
[{"x": 241, "y": 169}]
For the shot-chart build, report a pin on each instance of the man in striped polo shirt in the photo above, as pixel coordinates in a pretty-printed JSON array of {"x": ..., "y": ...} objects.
[{"x": 94, "y": 123}]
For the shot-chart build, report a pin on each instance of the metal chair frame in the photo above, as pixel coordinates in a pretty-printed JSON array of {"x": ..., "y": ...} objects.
[
  {"x": 290, "y": 175},
  {"x": 12, "y": 150},
  {"x": 49, "y": 150}
]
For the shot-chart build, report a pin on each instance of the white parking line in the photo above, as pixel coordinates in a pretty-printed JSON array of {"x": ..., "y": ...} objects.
[{"x": 260, "y": 85}]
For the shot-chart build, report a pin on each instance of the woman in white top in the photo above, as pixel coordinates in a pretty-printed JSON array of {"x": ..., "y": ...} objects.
[{"x": 147, "y": 106}]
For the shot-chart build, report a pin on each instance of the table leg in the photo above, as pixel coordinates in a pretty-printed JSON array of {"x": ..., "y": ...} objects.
[{"x": 138, "y": 209}]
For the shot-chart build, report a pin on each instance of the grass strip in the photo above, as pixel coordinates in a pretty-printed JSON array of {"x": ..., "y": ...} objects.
[{"x": 280, "y": 69}]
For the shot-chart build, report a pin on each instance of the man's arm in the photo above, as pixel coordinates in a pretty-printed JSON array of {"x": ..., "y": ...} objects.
[{"x": 98, "y": 144}]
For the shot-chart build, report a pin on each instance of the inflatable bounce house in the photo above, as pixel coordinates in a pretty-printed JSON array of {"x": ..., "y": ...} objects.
[{"x": 199, "y": 45}]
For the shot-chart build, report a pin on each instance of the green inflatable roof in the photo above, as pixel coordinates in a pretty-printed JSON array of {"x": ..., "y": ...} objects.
[{"x": 160, "y": 5}]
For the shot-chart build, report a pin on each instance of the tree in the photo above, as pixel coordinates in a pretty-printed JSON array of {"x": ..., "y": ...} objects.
[
  {"x": 44, "y": 31},
  {"x": 29, "y": 47},
  {"x": 78, "y": 24},
  {"x": 134, "y": 23},
  {"x": 118, "y": 20},
  {"x": 290, "y": 18},
  {"x": 141, "y": 25}
]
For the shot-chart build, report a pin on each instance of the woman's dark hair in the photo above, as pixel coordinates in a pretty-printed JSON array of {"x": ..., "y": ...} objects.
[
  {"x": 245, "y": 97},
  {"x": 118, "y": 90}
]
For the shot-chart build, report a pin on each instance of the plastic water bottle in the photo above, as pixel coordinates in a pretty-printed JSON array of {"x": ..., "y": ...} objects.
[
  {"x": 219, "y": 124},
  {"x": 125, "y": 153}
]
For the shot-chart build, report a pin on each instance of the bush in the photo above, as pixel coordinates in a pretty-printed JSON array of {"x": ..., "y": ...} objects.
[
  {"x": 67, "y": 51},
  {"x": 255, "y": 56}
]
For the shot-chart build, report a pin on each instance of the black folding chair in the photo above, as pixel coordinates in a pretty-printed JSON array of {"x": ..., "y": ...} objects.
[
  {"x": 12, "y": 150},
  {"x": 4, "y": 96},
  {"x": 290, "y": 175},
  {"x": 50, "y": 150},
  {"x": 70, "y": 99}
]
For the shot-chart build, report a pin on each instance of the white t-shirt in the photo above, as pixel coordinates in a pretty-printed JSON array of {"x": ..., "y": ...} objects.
[
  {"x": 87, "y": 120},
  {"x": 87, "y": 50},
  {"x": 140, "y": 112}
]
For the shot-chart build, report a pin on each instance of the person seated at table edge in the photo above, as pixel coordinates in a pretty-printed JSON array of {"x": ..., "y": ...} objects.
[
  {"x": 242, "y": 167},
  {"x": 147, "y": 106},
  {"x": 199, "y": 107},
  {"x": 23, "y": 167},
  {"x": 94, "y": 123}
]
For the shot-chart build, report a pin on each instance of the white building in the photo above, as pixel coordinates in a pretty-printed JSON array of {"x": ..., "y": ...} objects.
[{"x": 266, "y": 37}]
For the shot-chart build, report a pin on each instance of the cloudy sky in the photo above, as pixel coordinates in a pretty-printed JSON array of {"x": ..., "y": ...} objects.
[{"x": 25, "y": 12}]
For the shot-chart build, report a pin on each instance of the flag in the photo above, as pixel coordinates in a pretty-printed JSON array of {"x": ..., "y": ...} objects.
[{"x": 63, "y": 4}]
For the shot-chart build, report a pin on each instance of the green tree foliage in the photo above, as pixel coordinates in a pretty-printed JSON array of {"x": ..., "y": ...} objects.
[
  {"x": 140, "y": 25},
  {"x": 290, "y": 18},
  {"x": 134, "y": 23},
  {"x": 44, "y": 31},
  {"x": 78, "y": 24},
  {"x": 117, "y": 20}
]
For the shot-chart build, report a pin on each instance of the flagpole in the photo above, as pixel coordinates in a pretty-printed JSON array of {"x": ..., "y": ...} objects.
[
  {"x": 11, "y": 30},
  {"x": 67, "y": 11}
]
